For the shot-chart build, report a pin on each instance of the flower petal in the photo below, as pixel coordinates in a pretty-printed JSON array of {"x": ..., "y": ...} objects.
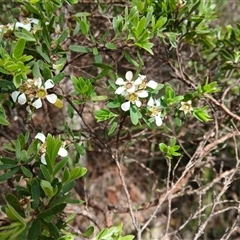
[
  {"x": 125, "y": 106},
  {"x": 38, "y": 82},
  {"x": 138, "y": 81},
  {"x": 142, "y": 94},
  {"x": 14, "y": 95},
  {"x": 33, "y": 20},
  {"x": 138, "y": 103},
  {"x": 129, "y": 75},
  {"x": 120, "y": 90},
  {"x": 131, "y": 89},
  {"x": 43, "y": 159},
  {"x": 143, "y": 77},
  {"x": 49, "y": 84},
  {"x": 41, "y": 137},
  {"x": 120, "y": 81},
  {"x": 22, "y": 99},
  {"x": 152, "y": 84},
  {"x": 157, "y": 103},
  {"x": 52, "y": 98},
  {"x": 62, "y": 152},
  {"x": 158, "y": 120},
  {"x": 150, "y": 102},
  {"x": 25, "y": 26},
  {"x": 37, "y": 104}
]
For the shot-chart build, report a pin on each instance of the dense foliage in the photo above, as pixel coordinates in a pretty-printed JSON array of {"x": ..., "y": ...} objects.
[{"x": 150, "y": 86}]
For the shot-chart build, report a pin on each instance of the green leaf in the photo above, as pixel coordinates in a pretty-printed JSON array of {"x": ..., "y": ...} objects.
[
  {"x": 36, "y": 70},
  {"x": 95, "y": 51},
  {"x": 169, "y": 92},
  {"x": 89, "y": 231},
  {"x": 25, "y": 58},
  {"x": 19, "y": 48},
  {"x": 141, "y": 26},
  {"x": 47, "y": 74},
  {"x": 52, "y": 211},
  {"x": 67, "y": 187},
  {"x": 52, "y": 229},
  {"x": 113, "y": 127},
  {"x": 82, "y": 14},
  {"x": 60, "y": 165},
  {"x": 175, "y": 154},
  {"x": 45, "y": 172},
  {"x": 145, "y": 45},
  {"x": 56, "y": 79},
  {"x": 3, "y": 121},
  {"x": 26, "y": 172},
  {"x": 163, "y": 147},
  {"x": 130, "y": 59},
  {"x": 47, "y": 188},
  {"x": 7, "y": 166},
  {"x": 17, "y": 80},
  {"x": 35, "y": 192},
  {"x": 65, "y": 176},
  {"x": 134, "y": 115},
  {"x": 13, "y": 214},
  {"x": 7, "y": 160},
  {"x": 8, "y": 174},
  {"x": 25, "y": 35},
  {"x": 4, "y": 71},
  {"x": 77, "y": 172},
  {"x": 14, "y": 202},
  {"x": 103, "y": 114},
  {"x": 172, "y": 38},
  {"x": 160, "y": 22},
  {"x": 114, "y": 104},
  {"x": 111, "y": 46},
  {"x": 201, "y": 114},
  {"x": 12, "y": 231},
  {"x": 80, "y": 49},
  {"x": 102, "y": 74},
  {"x": 18, "y": 149},
  {"x": 63, "y": 36},
  {"x": 53, "y": 146},
  {"x": 72, "y": 1},
  {"x": 127, "y": 237},
  {"x": 84, "y": 26},
  {"x": 43, "y": 54},
  {"x": 34, "y": 230},
  {"x": 99, "y": 98},
  {"x": 11, "y": 66},
  {"x": 104, "y": 36}
]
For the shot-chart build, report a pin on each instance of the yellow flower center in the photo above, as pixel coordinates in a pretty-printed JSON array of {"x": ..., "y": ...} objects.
[
  {"x": 143, "y": 85},
  {"x": 186, "y": 107},
  {"x": 41, "y": 93},
  {"x": 154, "y": 111},
  {"x": 132, "y": 97}
]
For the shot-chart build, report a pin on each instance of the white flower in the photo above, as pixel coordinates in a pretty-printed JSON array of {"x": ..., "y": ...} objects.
[
  {"x": 42, "y": 93},
  {"x": 61, "y": 152},
  {"x": 26, "y": 23},
  {"x": 186, "y": 107},
  {"x": 6, "y": 29},
  {"x": 19, "y": 97},
  {"x": 155, "y": 110},
  {"x": 134, "y": 99},
  {"x": 142, "y": 83},
  {"x": 125, "y": 86}
]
